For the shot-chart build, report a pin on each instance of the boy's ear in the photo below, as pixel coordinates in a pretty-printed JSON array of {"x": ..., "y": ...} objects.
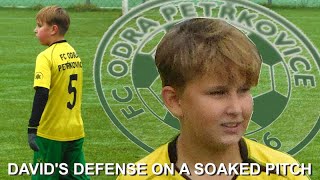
[
  {"x": 55, "y": 29},
  {"x": 172, "y": 101}
]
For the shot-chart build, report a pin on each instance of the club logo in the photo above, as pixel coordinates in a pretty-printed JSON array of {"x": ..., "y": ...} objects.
[
  {"x": 286, "y": 110},
  {"x": 38, "y": 75}
]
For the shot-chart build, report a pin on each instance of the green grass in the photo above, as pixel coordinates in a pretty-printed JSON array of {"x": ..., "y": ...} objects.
[{"x": 104, "y": 142}]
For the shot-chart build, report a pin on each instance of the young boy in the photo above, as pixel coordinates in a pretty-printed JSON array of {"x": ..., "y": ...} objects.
[
  {"x": 207, "y": 68},
  {"x": 55, "y": 131}
]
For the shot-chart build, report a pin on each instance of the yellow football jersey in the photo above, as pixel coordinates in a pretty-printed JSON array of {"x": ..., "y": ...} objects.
[
  {"x": 59, "y": 69},
  {"x": 251, "y": 153}
]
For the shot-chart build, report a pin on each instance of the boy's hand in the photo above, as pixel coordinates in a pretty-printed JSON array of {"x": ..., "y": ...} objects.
[{"x": 32, "y": 141}]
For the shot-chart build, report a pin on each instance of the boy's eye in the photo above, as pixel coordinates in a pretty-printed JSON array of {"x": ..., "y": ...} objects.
[
  {"x": 244, "y": 90},
  {"x": 217, "y": 92}
]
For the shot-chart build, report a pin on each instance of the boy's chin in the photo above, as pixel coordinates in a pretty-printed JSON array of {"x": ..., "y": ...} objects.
[{"x": 229, "y": 141}]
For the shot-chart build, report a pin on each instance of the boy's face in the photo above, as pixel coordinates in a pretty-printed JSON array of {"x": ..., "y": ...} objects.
[
  {"x": 43, "y": 32},
  {"x": 214, "y": 111}
]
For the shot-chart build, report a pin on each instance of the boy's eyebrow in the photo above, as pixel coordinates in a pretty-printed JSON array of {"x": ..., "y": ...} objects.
[{"x": 218, "y": 87}]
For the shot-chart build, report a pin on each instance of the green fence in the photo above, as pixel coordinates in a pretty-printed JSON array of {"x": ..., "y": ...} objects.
[
  {"x": 132, "y": 3},
  {"x": 68, "y": 3},
  {"x": 291, "y": 3}
]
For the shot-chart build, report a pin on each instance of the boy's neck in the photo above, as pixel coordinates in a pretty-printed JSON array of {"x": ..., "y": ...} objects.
[
  {"x": 55, "y": 39},
  {"x": 190, "y": 152}
]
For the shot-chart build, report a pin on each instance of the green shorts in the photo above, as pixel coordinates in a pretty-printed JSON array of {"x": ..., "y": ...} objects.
[{"x": 61, "y": 156}]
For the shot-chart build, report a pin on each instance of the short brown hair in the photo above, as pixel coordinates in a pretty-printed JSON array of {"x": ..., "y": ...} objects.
[
  {"x": 55, "y": 15},
  {"x": 200, "y": 46}
]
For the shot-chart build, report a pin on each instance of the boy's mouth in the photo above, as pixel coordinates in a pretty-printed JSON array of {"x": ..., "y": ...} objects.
[
  {"x": 231, "y": 124},
  {"x": 232, "y": 127}
]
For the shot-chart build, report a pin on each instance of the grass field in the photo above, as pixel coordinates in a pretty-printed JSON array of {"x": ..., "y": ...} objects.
[{"x": 104, "y": 142}]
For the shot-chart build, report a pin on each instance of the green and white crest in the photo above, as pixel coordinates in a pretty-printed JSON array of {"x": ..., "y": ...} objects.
[{"x": 286, "y": 111}]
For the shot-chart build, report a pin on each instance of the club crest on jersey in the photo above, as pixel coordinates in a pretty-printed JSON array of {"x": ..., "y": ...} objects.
[
  {"x": 286, "y": 112},
  {"x": 38, "y": 76}
]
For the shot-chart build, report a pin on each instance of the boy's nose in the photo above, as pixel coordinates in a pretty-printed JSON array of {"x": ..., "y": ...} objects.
[{"x": 234, "y": 105}]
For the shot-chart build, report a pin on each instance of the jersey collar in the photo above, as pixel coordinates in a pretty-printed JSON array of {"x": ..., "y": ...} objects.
[
  {"x": 172, "y": 151},
  {"x": 61, "y": 41}
]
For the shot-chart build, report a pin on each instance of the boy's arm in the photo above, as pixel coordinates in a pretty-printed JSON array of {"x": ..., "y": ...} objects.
[{"x": 39, "y": 103}]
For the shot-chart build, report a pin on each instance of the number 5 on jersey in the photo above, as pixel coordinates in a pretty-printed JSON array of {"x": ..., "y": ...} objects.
[{"x": 71, "y": 89}]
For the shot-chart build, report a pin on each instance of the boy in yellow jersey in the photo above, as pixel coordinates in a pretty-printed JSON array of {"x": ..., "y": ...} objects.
[
  {"x": 55, "y": 131},
  {"x": 207, "y": 68}
]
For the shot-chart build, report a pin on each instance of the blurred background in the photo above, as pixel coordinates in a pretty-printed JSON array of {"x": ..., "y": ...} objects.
[{"x": 90, "y": 19}]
